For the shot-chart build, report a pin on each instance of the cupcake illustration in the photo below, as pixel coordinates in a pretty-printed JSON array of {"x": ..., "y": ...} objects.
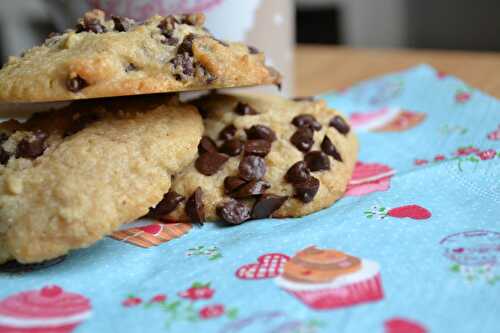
[
  {"x": 329, "y": 279},
  {"x": 50, "y": 309},
  {"x": 387, "y": 119},
  {"x": 368, "y": 178},
  {"x": 473, "y": 248}
]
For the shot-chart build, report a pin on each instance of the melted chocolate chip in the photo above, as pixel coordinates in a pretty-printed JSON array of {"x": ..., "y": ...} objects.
[
  {"x": 297, "y": 173},
  {"x": 303, "y": 99},
  {"x": 317, "y": 161},
  {"x": 257, "y": 147},
  {"x": 232, "y": 183},
  {"x": 306, "y": 120},
  {"x": 260, "y": 132},
  {"x": 303, "y": 139},
  {"x": 183, "y": 63},
  {"x": 251, "y": 189},
  {"x": 329, "y": 148},
  {"x": 75, "y": 84},
  {"x": 253, "y": 50},
  {"x": 33, "y": 147},
  {"x": 187, "y": 45},
  {"x": 227, "y": 133},
  {"x": 232, "y": 147},
  {"x": 122, "y": 24},
  {"x": 244, "y": 109},
  {"x": 306, "y": 191},
  {"x": 14, "y": 267},
  {"x": 170, "y": 202},
  {"x": 252, "y": 168},
  {"x": 266, "y": 205},
  {"x": 195, "y": 209},
  {"x": 206, "y": 145},
  {"x": 80, "y": 123},
  {"x": 340, "y": 125},
  {"x": 233, "y": 212},
  {"x": 209, "y": 163}
]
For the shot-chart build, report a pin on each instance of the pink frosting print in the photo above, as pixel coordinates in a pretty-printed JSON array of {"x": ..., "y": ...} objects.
[
  {"x": 143, "y": 9},
  {"x": 368, "y": 178},
  {"x": 49, "y": 310},
  {"x": 387, "y": 119}
]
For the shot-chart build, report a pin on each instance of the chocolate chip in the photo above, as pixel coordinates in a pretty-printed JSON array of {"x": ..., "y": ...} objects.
[
  {"x": 251, "y": 189},
  {"x": 303, "y": 139},
  {"x": 122, "y": 24},
  {"x": 329, "y": 148},
  {"x": 169, "y": 203},
  {"x": 3, "y": 137},
  {"x": 260, "y": 132},
  {"x": 257, "y": 147},
  {"x": 317, "y": 161},
  {"x": 187, "y": 45},
  {"x": 340, "y": 125},
  {"x": 306, "y": 191},
  {"x": 266, "y": 205},
  {"x": 168, "y": 40},
  {"x": 307, "y": 120},
  {"x": 167, "y": 25},
  {"x": 209, "y": 163},
  {"x": 252, "y": 168},
  {"x": 195, "y": 209},
  {"x": 244, "y": 109},
  {"x": 253, "y": 50},
  {"x": 207, "y": 145},
  {"x": 227, "y": 133},
  {"x": 4, "y": 156},
  {"x": 232, "y": 183},
  {"x": 233, "y": 212},
  {"x": 14, "y": 267},
  {"x": 33, "y": 147},
  {"x": 130, "y": 68},
  {"x": 232, "y": 147},
  {"x": 80, "y": 123},
  {"x": 91, "y": 24},
  {"x": 297, "y": 173},
  {"x": 303, "y": 99},
  {"x": 183, "y": 63},
  {"x": 76, "y": 83}
]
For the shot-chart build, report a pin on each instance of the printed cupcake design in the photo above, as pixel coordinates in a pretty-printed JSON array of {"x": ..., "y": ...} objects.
[
  {"x": 50, "y": 309},
  {"x": 495, "y": 135},
  {"x": 387, "y": 119},
  {"x": 147, "y": 235},
  {"x": 368, "y": 178},
  {"x": 475, "y": 254},
  {"x": 329, "y": 279}
]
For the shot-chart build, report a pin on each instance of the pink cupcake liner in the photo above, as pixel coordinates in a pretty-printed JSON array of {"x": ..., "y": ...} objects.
[{"x": 57, "y": 329}]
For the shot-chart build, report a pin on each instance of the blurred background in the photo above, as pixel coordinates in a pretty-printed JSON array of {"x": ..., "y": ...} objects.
[{"x": 275, "y": 25}]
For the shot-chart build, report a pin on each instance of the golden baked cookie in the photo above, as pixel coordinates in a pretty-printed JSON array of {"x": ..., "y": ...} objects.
[
  {"x": 119, "y": 57},
  {"x": 263, "y": 157},
  {"x": 69, "y": 177}
]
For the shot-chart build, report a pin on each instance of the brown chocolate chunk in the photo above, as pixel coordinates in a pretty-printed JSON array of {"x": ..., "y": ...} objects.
[
  {"x": 170, "y": 202},
  {"x": 227, "y": 133},
  {"x": 306, "y": 120},
  {"x": 209, "y": 163},
  {"x": 232, "y": 183},
  {"x": 187, "y": 45},
  {"x": 266, "y": 205},
  {"x": 206, "y": 145},
  {"x": 33, "y": 147},
  {"x": 253, "y": 50},
  {"x": 297, "y": 173},
  {"x": 340, "y": 125},
  {"x": 317, "y": 161},
  {"x": 260, "y": 132},
  {"x": 252, "y": 168},
  {"x": 251, "y": 189},
  {"x": 122, "y": 24},
  {"x": 306, "y": 191},
  {"x": 76, "y": 83},
  {"x": 4, "y": 156},
  {"x": 232, "y": 147},
  {"x": 244, "y": 109},
  {"x": 195, "y": 209},
  {"x": 303, "y": 99},
  {"x": 303, "y": 139},
  {"x": 183, "y": 63},
  {"x": 257, "y": 147},
  {"x": 91, "y": 23},
  {"x": 167, "y": 25},
  {"x": 233, "y": 212},
  {"x": 130, "y": 68},
  {"x": 329, "y": 148}
]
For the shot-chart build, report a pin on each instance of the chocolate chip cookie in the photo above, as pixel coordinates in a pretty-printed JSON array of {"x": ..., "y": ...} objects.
[
  {"x": 262, "y": 157},
  {"x": 117, "y": 57},
  {"x": 71, "y": 176}
]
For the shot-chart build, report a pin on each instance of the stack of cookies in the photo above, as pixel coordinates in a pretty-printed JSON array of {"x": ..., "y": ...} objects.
[{"x": 72, "y": 175}]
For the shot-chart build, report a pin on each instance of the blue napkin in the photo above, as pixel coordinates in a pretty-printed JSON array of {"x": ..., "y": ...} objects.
[{"x": 422, "y": 215}]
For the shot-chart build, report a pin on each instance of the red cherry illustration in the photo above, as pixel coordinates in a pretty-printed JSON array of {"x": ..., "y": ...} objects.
[
  {"x": 196, "y": 293},
  {"x": 421, "y": 162},
  {"x": 439, "y": 158},
  {"x": 160, "y": 298},
  {"x": 401, "y": 325},
  {"x": 487, "y": 154},
  {"x": 211, "y": 311},
  {"x": 415, "y": 212},
  {"x": 132, "y": 301},
  {"x": 51, "y": 291},
  {"x": 462, "y": 97}
]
